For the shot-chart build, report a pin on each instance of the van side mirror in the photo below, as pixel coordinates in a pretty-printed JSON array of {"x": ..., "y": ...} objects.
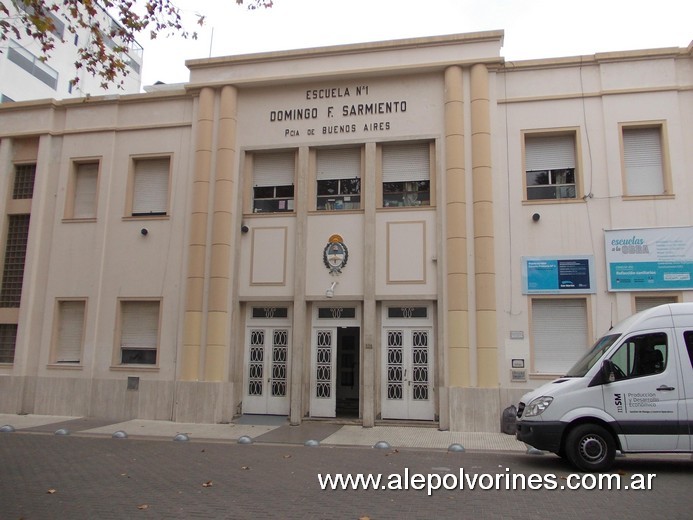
[{"x": 608, "y": 373}]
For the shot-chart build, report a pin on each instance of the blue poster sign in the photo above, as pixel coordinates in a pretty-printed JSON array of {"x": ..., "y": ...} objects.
[
  {"x": 557, "y": 275},
  {"x": 652, "y": 259}
]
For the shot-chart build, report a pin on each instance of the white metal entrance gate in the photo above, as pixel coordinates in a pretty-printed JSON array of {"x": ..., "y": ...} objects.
[
  {"x": 267, "y": 364},
  {"x": 407, "y": 361},
  {"x": 323, "y": 391},
  {"x": 323, "y": 401}
]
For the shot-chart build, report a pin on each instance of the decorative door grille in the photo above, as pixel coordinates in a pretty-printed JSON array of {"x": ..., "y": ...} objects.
[
  {"x": 420, "y": 365},
  {"x": 256, "y": 362},
  {"x": 279, "y": 359},
  {"x": 395, "y": 365},
  {"x": 323, "y": 368}
]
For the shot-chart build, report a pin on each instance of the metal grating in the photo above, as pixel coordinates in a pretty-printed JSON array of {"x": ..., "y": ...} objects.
[
  {"x": 8, "y": 340},
  {"x": 24, "y": 175},
  {"x": 15, "y": 256}
]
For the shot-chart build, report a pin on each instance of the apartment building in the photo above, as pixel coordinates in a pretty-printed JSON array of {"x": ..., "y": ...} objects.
[{"x": 24, "y": 75}]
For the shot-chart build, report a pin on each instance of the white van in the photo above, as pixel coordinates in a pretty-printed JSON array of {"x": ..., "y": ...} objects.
[{"x": 633, "y": 392}]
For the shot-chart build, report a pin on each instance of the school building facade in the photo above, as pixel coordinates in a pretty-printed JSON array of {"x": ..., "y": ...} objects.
[{"x": 415, "y": 230}]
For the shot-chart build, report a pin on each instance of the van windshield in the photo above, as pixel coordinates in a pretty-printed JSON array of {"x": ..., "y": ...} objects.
[{"x": 590, "y": 358}]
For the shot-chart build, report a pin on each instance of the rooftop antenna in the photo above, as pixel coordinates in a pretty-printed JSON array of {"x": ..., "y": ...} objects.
[{"x": 211, "y": 40}]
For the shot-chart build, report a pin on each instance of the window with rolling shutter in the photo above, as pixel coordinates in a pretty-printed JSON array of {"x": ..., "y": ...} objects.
[
  {"x": 338, "y": 178},
  {"x": 139, "y": 332},
  {"x": 647, "y": 302},
  {"x": 642, "y": 160},
  {"x": 559, "y": 334},
  {"x": 406, "y": 174},
  {"x": 70, "y": 331},
  {"x": 273, "y": 182},
  {"x": 150, "y": 186},
  {"x": 85, "y": 196},
  {"x": 550, "y": 167}
]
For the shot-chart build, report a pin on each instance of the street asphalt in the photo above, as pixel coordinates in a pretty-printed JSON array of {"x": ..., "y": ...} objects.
[{"x": 76, "y": 468}]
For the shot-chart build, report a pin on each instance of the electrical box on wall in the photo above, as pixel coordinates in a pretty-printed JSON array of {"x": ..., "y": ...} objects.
[{"x": 518, "y": 375}]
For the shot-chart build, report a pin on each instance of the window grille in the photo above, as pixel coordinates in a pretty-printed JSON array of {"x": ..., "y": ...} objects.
[
  {"x": 8, "y": 341},
  {"x": 24, "y": 175},
  {"x": 15, "y": 257}
]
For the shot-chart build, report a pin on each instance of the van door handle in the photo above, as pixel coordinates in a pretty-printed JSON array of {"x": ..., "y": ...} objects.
[{"x": 665, "y": 388}]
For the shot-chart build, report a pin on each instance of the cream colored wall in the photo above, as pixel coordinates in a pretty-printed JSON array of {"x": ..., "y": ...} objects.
[
  {"x": 110, "y": 259},
  {"x": 531, "y": 98},
  {"x": 364, "y": 59},
  {"x": 259, "y": 271},
  {"x": 421, "y": 93},
  {"x": 101, "y": 260},
  {"x": 400, "y": 269}
]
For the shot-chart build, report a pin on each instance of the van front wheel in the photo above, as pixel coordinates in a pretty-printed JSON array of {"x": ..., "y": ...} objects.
[{"x": 590, "y": 447}]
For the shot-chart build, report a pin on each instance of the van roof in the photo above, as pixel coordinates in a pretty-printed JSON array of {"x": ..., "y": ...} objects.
[{"x": 668, "y": 315}]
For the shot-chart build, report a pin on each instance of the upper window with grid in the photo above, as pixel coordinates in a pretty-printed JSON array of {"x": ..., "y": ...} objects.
[
  {"x": 642, "y": 160},
  {"x": 15, "y": 258},
  {"x": 338, "y": 179},
  {"x": 8, "y": 342},
  {"x": 406, "y": 175},
  {"x": 24, "y": 175},
  {"x": 150, "y": 186},
  {"x": 550, "y": 172},
  {"x": 273, "y": 182}
]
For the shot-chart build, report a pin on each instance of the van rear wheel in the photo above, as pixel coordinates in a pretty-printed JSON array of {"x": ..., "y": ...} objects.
[{"x": 590, "y": 447}]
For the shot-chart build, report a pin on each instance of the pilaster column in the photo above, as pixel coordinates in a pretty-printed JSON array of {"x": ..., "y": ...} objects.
[
  {"x": 197, "y": 244},
  {"x": 300, "y": 346},
  {"x": 484, "y": 256},
  {"x": 370, "y": 333},
  {"x": 456, "y": 231},
  {"x": 218, "y": 318}
]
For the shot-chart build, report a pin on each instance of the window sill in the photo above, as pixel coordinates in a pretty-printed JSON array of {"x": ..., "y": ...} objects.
[
  {"x": 404, "y": 208},
  {"x": 78, "y": 220},
  {"x": 66, "y": 366},
  {"x": 271, "y": 214},
  {"x": 136, "y": 368},
  {"x": 666, "y": 196},
  {"x": 334, "y": 211},
  {"x": 541, "y": 202},
  {"x": 146, "y": 217}
]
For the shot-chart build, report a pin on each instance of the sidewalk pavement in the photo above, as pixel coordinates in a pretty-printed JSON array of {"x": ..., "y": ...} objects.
[{"x": 270, "y": 430}]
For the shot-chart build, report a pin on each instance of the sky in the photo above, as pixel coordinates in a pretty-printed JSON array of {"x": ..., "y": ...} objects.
[{"x": 533, "y": 28}]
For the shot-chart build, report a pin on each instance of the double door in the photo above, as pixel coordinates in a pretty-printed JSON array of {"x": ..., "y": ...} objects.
[
  {"x": 407, "y": 360},
  {"x": 267, "y": 371}
]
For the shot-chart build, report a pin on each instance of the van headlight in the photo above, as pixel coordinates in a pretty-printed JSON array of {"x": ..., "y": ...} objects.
[{"x": 537, "y": 406}]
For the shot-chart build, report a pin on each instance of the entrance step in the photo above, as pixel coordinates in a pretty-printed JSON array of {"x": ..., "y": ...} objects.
[{"x": 407, "y": 423}]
